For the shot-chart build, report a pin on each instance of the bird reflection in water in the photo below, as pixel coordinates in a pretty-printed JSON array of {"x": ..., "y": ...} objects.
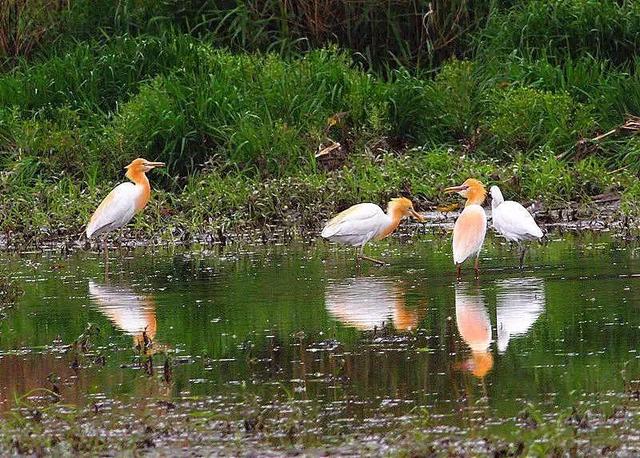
[
  {"x": 367, "y": 303},
  {"x": 474, "y": 326},
  {"x": 519, "y": 303},
  {"x": 136, "y": 315},
  {"x": 131, "y": 313}
]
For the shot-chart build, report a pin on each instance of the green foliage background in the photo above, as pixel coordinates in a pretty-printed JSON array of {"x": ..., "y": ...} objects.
[{"x": 237, "y": 97}]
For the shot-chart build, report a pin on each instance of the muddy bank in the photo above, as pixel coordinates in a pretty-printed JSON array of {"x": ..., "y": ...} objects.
[
  {"x": 603, "y": 214},
  {"x": 169, "y": 429}
]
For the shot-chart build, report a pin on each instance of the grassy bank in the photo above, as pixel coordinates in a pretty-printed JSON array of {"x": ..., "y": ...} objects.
[
  {"x": 215, "y": 203},
  {"x": 240, "y": 127}
]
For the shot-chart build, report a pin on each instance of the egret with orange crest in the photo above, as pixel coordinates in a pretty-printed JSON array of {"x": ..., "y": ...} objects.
[
  {"x": 362, "y": 223},
  {"x": 471, "y": 226},
  {"x": 124, "y": 201}
]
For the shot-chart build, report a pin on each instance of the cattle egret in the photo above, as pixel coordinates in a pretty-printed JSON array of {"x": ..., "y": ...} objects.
[
  {"x": 124, "y": 201},
  {"x": 513, "y": 221},
  {"x": 474, "y": 326},
  {"x": 471, "y": 225},
  {"x": 361, "y": 223},
  {"x": 367, "y": 303},
  {"x": 519, "y": 304}
]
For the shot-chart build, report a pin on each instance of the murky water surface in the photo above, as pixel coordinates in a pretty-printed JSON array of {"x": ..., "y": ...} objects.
[{"x": 301, "y": 324}]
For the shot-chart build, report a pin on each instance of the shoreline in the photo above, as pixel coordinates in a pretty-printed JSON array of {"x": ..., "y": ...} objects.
[{"x": 576, "y": 217}]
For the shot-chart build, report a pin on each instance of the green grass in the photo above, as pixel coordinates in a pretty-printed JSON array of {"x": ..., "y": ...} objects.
[
  {"x": 211, "y": 201},
  {"x": 565, "y": 29},
  {"x": 237, "y": 99},
  {"x": 183, "y": 101}
]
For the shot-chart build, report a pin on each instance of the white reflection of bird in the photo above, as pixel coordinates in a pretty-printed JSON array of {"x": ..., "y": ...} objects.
[
  {"x": 366, "y": 303},
  {"x": 131, "y": 313},
  {"x": 519, "y": 303}
]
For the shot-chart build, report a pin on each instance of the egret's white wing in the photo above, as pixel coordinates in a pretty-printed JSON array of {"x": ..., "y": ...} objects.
[
  {"x": 514, "y": 222},
  {"x": 355, "y": 225},
  {"x": 115, "y": 210}
]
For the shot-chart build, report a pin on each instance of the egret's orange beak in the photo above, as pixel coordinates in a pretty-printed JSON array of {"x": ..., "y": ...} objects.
[
  {"x": 462, "y": 187},
  {"x": 417, "y": 216}
]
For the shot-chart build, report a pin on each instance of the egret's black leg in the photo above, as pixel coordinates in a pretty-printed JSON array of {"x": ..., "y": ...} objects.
[
  {"x": 524, "y": 251},
  {"x": 105, "y": 248},
  {"x": 363, "y": 256}
]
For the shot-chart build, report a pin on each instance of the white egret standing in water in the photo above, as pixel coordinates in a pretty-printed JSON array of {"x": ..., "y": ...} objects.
[
  {"x": 471, "y": 226},
  {"x": 513, "y": 221},
  {"x": 362, "y": 223}
]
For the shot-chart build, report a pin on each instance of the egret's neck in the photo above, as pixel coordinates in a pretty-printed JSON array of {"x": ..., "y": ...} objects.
[
  {"x": 394, "y": 215},
  {"x": 496, "y": 197},
  {"x": 141, "y": 180},
  {"x": 475, "y": 196}
]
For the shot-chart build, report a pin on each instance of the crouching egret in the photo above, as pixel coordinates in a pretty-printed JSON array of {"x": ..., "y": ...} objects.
[
  {"x": 471, "y": 225},
  {"x": 513, "y": 221},
  {"x": 124, "y": 201},
  {"x": 361, "y": 223}
]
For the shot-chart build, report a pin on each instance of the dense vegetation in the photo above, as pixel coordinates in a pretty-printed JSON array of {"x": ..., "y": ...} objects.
[{"x": 238, "y": 97}]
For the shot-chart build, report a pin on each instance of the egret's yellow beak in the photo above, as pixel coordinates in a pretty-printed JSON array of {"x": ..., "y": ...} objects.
[
  {"x": 462, "y": 187},
  {"x": 147, "y": 164},
  {"x": 417, "y": 215}
]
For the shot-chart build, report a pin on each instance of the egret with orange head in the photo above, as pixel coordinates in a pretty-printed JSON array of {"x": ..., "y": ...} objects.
[
  {"x": 471, "y": 226},
  {"x": 124, "y": 201},
  {"x": 362, "y": 223}
]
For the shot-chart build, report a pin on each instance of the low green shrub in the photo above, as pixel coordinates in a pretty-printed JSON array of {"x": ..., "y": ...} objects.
[
  {"x": 525, "y": 118},
  {"x": 562, "y": 29},
  {"x": 555, "y": 181},
  {"x": 455, "y": 97}
]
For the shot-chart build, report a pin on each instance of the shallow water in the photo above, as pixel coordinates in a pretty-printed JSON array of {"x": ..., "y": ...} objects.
[{"x": 359, "y": 348}]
